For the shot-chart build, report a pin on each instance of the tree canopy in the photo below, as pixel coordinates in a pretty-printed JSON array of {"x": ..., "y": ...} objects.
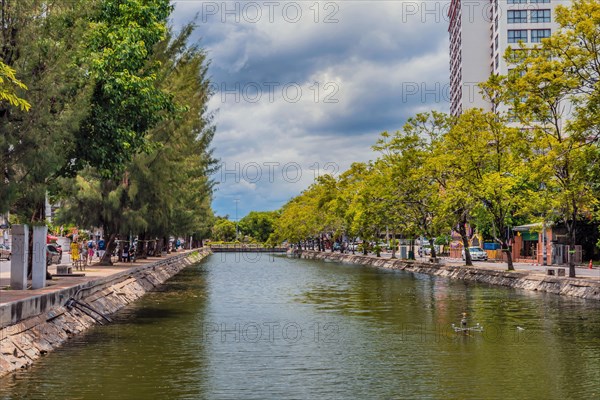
[
  {"x": 114, "y": 125},
  {"x": 533, "y": 159}
]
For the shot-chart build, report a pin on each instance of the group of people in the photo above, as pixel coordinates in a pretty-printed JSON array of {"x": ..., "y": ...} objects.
[
  {"x": 84, "y": 251},
  {"x": 127, "y": 253}
]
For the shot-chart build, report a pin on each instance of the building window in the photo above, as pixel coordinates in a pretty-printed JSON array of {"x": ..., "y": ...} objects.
[
  {"x": 514, "y": 73},
  {"x": 517, "y": 35},
  {"x": 538, "y": 34},
  {"x": 540, "y": 16},
  {"x": 517, "y": 16},
  {"x": 497, "y": 61},
  {"x": 517, "y": 1},
  {"x": 536, "y": 1}
]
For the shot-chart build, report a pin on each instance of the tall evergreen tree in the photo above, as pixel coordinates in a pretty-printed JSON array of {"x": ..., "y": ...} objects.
[{"x": 41, "y": 43}]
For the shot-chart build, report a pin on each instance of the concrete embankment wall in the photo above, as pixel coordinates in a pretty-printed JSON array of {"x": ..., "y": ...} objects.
[
  {"x": 32, "y": 327},
  {"x": 583, "y": 288}
]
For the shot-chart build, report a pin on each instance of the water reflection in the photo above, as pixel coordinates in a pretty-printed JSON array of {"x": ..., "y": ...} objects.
[{"x": 257, "y": 328}]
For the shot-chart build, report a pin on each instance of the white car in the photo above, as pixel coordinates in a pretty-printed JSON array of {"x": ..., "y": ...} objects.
[
  {"x": 5, "y": 252},
  {"x": 477, "y": 254}
]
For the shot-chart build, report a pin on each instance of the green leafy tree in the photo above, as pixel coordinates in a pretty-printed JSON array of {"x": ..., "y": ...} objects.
[
  {"x": 305, "y": 217},
  {"x": 494, "y": 158},
  {"x": 575, "y": 62},
  {"x": 553, "y": 93},
  {"x": 457, "y": 181},
  {"x": 126, "y": 101},
  {"x": 412, "y": 180},
  {"x": 41, "y": 43},
  {"x": 224, "y": 230},
  {"x": 366, "y": 209},
  {"x": 259, "y": 224},
  {"x": 354, "y": 202},
  {"x": 167, "y": 190},
  {"x": 172, "y": 188}
]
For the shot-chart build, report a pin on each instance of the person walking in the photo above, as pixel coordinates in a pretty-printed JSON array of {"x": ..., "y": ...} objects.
[
  {"x": 101, "y": 248},
  {"x": 90, "y": 251},
  {"x": 125, "y": 257},
  {"x": 84, "y": 253},
  {"x": 74, "y": 253}
]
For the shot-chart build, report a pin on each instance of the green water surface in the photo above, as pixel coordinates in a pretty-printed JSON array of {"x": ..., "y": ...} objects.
[{"x": 257, "y": 326}]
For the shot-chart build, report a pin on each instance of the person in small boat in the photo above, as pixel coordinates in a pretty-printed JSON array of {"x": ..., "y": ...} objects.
[{"x": 463, "y": 321}]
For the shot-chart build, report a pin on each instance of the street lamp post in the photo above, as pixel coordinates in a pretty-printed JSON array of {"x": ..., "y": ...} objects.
[
  {"x": 544, "y": 238},
  {"x": 237, "y": 231},
  {"x": 544, "y": 250}
]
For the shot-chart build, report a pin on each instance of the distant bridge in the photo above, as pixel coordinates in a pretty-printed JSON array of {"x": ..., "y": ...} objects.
[{"x": 245, "y": 248}]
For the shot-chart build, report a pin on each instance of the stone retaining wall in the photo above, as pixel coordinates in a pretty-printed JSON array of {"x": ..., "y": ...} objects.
[
  {"x": 576, "y": 287},
  {"x": 48, "y": 323}
]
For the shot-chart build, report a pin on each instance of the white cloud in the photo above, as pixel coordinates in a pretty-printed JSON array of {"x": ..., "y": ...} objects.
[{"x": 382, "y": 61}]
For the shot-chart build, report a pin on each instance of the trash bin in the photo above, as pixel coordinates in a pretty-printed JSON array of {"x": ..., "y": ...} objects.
[{"x": 403, "y": 252}]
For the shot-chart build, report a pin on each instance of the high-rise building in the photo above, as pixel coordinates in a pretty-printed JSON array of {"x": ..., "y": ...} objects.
[{"x": 481, "y": 31}]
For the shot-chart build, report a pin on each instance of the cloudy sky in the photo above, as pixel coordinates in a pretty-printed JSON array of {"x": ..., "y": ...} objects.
[{"x": 304, "y": 88}]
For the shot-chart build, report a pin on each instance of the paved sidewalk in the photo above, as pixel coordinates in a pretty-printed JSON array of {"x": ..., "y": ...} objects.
[
  {"x": 581, "y": 272},
  {"x": 57, "y": 283}
]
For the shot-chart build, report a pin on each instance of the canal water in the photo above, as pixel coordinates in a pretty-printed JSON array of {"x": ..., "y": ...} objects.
[{"x": 257, "y": 326}]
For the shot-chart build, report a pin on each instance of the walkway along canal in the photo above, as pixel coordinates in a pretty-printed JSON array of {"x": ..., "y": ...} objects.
[{"x": 259, "y": 326}]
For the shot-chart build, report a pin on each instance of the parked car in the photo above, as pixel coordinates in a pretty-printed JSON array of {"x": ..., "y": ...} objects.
[
  {"x": 5, "y": 252},
  {"x": 477, "y": 254},
  {"x": 425, "y": 250},
  {"x": 53, "y": 256}
]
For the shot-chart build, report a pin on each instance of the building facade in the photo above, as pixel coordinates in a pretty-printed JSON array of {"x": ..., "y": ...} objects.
[{"x": 481, "y": 31}]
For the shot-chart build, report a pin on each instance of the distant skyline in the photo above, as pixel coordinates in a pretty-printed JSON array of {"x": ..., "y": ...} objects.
[{"x": 304, "y": 88}]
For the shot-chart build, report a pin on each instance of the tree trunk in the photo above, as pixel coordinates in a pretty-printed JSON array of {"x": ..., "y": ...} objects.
[
  {"x": 166, "y": 244},
  {"x": 393, "y": 244},
  {"x": 433, "y": 254},
  {"x": 506, "y": 249},
  {"x": 140, "y": 250},
  {"x": 110, "y": 247},
  {"x": 570, "y": 255},
  {"x": 462, "y": 230},
  {"x": 145, "y": 247},
  {"x": 158, "y": 246}
]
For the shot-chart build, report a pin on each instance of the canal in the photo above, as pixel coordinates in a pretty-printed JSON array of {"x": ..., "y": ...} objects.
[{"x": 257, "y": 326}]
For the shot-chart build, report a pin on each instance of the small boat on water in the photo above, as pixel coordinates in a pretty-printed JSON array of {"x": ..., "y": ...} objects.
[{"x": 464, "y": 328}]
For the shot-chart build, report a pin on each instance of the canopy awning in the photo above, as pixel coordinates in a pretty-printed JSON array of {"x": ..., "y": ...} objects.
[{"x": 529, "y": 227}]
